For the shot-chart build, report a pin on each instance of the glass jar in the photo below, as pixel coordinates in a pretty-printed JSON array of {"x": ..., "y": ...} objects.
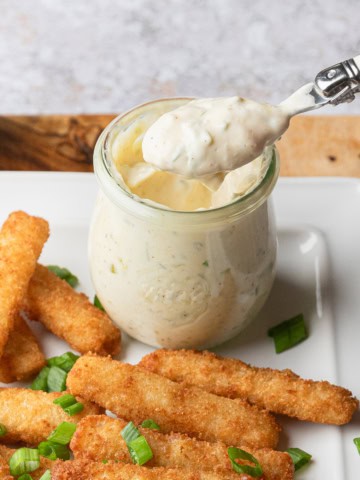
[{"x": 179, "y": 279}]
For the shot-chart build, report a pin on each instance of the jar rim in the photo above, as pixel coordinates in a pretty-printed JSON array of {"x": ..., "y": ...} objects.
[{"x": 125, "y": 199}]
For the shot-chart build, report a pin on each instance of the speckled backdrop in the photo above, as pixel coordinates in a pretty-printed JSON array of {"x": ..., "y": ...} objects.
[{"x": 107, "y": 55}]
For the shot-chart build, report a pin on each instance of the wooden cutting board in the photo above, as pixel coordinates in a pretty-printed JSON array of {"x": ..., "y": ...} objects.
[{"x": 313, "y": 145}]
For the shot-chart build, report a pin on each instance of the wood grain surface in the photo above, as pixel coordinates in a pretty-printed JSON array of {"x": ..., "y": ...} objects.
[{"x": 313, "y": 145}]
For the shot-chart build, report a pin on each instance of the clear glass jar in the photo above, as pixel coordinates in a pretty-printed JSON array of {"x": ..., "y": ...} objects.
[{"x": 179, "y": 279}]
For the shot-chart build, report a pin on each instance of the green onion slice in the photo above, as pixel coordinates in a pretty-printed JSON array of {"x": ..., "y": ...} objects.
[
  {"x": 56, "y": 379},
  {"x": 53, "y": 450},
  {"x": 74, "y": 409},
  {"x": 64, "y": 274},
  {"x": 46, "y": 475},
  {"x": 63, "y": 433},
  {"x": 289, "y": 333},
  {"x": 150, "y": 424},
  {"x": 65, "y": 400},
  {"x": 65, "y": 361},
  {"x": 25, "y": 476},
  {"x": 140, "y": 450},
  {"x": 98, "y": 304},
  {"x": 24, "y": 460},
  {"x": 69, "y": 404},
  {"x": 3, "y": 430},
  {"x": 130, "y": 433},
  {"x": 105, "y": 461},
  {"x": 357, "y": 444},
  {"x": 137, "y": 444},
  {"x": 238, "y": 454},
  {"x": 40, "y": 382},
  {"x": 299, "y": 457}
]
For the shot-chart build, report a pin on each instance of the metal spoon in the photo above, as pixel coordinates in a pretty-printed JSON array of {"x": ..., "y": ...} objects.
[{"x": 333, "y": 85}]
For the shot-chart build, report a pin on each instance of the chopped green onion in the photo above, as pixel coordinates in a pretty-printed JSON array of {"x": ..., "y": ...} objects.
[
  {"x": 24, "y": 460},
  {"x": 64, "y": 274},
  {"x": 53, "y": 450},
  {"x": 206, "y": 263},
  {"x": 74, "y": 409},
  {"x": 3, "y": 430},
  {"x": 150, "y": 424},
  {"x": 25, "y": 476},
  {"x": 56, "y": 379},
  {"x": 69, "y": 404},
  {"x": 235, "y": 454},
  {"x": 65, "y": 400},
  {"x": 98, "y": 304},
  {"x": 65, "y": 361},
  {"x": 357, "y": 444},
  {"x": 40, "y": 382},
  {"x": 46, "y": 475},
  {"x": 104, "y": 461},
  {"x": 130, "y": 433},
  {"x": 63, "y": 433},
  {"x": 299, "y": 457},
  {"x": 289, "y": 333},
  {"x": 140, "y": 450},
  {"x": 137, "y": 444}
]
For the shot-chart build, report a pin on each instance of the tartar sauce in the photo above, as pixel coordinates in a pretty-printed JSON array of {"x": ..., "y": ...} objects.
[
  {"x": 172, "y": 189},
  {"x": 211, "y": 135},
  {"x": 184, "y": 280}
]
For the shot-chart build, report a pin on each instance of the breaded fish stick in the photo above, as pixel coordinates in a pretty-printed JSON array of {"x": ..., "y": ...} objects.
[
  {"x": 21, "y": 240},
  {"x": 7, "y": 453},
  {"x": 70, "y": 315},
  {"x": 85, "y": 470},
  {"x": 30, "y": 415},
  {"x": 135, "y": 394},
  {"x": 22, "y": 357},
  {"x": 98, "y": 437},
  {"x": 280, "y": 391}
]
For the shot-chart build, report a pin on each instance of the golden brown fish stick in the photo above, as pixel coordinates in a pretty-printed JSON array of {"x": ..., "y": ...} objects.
[
  {"x": 85, "y": 470},
  {"x": 98, "y": 438},
  {"x": 5, "y": 455},
  {"x": 135, "y": 394},
  {"x": 280, "y": 391},
  {"x": 22, "y": 357},
  {"x": 70, "y": 315},
  {"x": 21, "y": 240},
  {"x": 30, "y": 415}
]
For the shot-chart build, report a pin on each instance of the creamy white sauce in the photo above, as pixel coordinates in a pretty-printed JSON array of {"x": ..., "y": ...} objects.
[
  {"x": 175, "y": 283},
  {"x": 173, "y": 191},
  {"x": 181, "y": 286},
  {"x": 211, "y": 135}
]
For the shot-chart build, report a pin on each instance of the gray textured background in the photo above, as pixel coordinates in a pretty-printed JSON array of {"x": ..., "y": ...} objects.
[{"x": 59, "y": 56}]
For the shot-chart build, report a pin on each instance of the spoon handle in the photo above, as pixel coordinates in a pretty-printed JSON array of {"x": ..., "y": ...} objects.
[
  {"x": 333, "y": 85},
  {"x": 340, "y": 82}
]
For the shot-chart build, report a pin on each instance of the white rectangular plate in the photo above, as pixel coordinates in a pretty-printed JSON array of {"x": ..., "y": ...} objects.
[{"x": 318, "y": 274}]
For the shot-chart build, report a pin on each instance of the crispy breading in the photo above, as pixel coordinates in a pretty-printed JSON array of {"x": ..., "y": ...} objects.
[
  {"x": 22, "y": 357},
  {"x": 135, "y": 394},
  {"x": 21, "y": 240},
  {"x": 98, "y": 437},
  {"x": 5, "y": 471},
  {"x": 30, "y": 415},
  {"x": 280, "y": 391},
  {"x": 85, "y": 470},
  {"x": 5, "y": 455},
  {"x": 70, "y": 315}
]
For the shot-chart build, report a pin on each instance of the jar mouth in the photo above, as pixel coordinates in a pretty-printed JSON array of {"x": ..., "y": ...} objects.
[{"x": 110, "y": 180}]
